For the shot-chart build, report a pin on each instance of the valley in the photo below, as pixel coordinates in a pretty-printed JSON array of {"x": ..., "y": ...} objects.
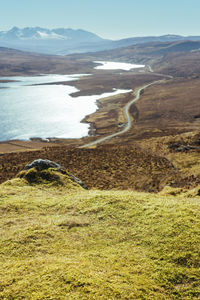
[
  {"x": 157, "y": 114},
  {"x": 134, "y": 232}
]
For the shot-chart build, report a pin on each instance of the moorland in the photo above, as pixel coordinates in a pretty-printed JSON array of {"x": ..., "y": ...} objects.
[{"x": 135, "y": 233}]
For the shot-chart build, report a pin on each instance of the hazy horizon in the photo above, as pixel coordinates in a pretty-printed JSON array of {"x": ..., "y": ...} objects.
[
  {"x": 113, "y": 19},
  {"x": 131, "y": 36}
]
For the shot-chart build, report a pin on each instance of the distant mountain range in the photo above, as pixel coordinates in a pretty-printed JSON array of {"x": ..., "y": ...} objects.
[
  {"x": 56, "y": 41},
  {"x": 62, "y": 41}
]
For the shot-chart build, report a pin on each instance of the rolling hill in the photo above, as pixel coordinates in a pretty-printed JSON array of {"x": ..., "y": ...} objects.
[
  {"x": 135, "y": 233},
  {"x": 59, "y": 241},
  {"x": 62, "y": 41}
]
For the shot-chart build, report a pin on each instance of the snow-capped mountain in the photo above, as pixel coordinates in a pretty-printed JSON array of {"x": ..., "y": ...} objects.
[
  {"x": 36, "y": 33},
  {"x": 63, "y": 41},
  {"x": 55, "y": 41}
]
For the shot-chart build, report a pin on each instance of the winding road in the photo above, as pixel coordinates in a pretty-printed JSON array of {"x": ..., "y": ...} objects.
[{"x": 127, "y": 113}]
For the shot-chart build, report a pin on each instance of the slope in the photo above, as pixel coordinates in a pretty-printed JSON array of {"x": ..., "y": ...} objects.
[{"x": 58, "y": 243}]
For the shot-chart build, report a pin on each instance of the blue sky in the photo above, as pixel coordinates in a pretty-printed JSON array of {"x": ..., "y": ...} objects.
[{"x": 108, "y": 18}]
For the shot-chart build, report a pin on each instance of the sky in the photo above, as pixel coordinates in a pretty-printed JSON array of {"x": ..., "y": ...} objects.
[{"x": 113, "y": 19}]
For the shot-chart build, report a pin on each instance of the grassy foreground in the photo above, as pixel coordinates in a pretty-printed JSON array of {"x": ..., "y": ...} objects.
[{"x": 59, "y": 243}]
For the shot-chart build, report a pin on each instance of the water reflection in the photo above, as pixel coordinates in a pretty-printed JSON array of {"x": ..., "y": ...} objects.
[
  {"x": 110, "y": 65},
  {"x": 44, "y": 110}
]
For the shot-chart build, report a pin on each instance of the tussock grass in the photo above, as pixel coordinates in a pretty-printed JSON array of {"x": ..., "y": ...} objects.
[
  {"x": 50, "y": 177},
  {"x": 58, "y": 243},
  {"x": 188, "y": 163}
]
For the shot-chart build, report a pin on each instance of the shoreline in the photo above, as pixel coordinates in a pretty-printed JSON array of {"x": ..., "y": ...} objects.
[
  {"x": 39, "y": 142},
  {"x": 36, "y": 143},
  {"x": 87, "y": 131},
  {"x": 52, "y": 141}
]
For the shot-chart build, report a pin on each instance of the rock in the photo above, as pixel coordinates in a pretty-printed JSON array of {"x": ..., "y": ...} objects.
[
  {"x": 40, "y": 166},
  {"x": 43, "y": 164},
  {"x": 196, "y": 142},
  {"x": 77, "y": 180},
  {"x": 174, "y": 146},
  {"x": 177, "y": 147},
  {"x": 184, "y": 148}
]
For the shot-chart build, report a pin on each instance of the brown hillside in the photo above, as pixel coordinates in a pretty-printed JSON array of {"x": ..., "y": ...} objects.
[
  {"x": 163, "y": 109},
  {"x": 19, "y": 63},
  {"x": 105, "y": 167}
]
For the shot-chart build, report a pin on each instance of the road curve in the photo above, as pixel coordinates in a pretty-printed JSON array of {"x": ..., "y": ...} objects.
[
  {"x": 127, "y": 114},
  {"x": 158, "y": 74}
]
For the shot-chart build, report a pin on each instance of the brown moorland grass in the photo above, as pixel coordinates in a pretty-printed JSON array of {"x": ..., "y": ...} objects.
[
  {"x": 19, "y": 63},
  {"x": 180, "y": 59},
  {"x": 187, "y": 162},
  {"x": 164, "y": 109},
  {"x": 106, "y": 167},
  {"x": 58, "y": 242}
]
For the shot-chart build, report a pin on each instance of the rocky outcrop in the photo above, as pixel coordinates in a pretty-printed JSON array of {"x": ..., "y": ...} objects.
[
  {"x": 49, "y": 172},
  {"x": 43, "y": 164},
  {"x": 177, "y": 147}
]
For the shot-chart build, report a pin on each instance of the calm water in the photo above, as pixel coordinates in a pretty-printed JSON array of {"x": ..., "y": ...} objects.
[
  {"x": 44, "y": 111},
  {"x": 109, "y": 65}
]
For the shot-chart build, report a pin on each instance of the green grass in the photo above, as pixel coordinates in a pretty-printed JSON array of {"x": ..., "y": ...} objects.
[{"x": 59, "y": 243}]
